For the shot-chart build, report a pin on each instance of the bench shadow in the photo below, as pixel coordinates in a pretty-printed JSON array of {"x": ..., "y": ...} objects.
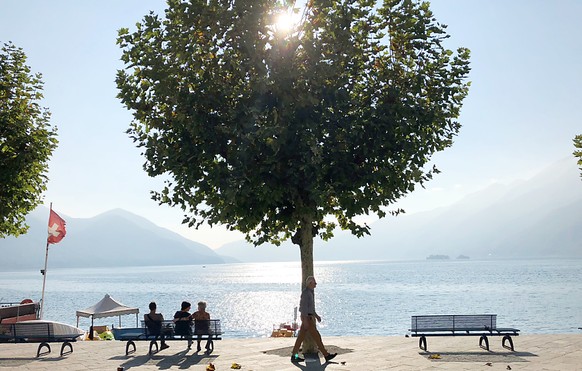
[
  {"x": 487, "y": 357},
  {"x": 186, "y": 361},
  {"x": 181, "y": 360},
  {"x": 23, "y": 361},
  {"x": 16, "y": 361}
]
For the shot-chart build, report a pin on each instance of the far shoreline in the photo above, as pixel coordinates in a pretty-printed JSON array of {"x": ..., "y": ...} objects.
[{"x": 298, "y": 262}]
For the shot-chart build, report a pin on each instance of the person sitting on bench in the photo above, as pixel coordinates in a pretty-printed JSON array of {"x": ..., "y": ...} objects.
[
  {"x": 153, "y": 322},
  {"x": 183, "y": 322},
  {"x": 202, "y": 323}
]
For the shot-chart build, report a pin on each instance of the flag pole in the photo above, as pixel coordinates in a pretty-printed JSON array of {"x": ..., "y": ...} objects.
[{"x": 44, "y": 270}]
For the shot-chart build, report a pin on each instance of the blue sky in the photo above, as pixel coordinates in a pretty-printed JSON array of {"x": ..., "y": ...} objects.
[{"x": 521, "y": 115}]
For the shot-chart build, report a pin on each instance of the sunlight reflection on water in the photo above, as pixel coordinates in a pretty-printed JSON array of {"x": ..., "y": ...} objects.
[{"x": 354, "y": 298}]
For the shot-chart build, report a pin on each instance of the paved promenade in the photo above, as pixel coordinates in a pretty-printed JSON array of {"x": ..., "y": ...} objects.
[{"x": 533, "y": 352}]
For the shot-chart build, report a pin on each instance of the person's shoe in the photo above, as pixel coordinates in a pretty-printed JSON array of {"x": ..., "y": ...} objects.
[
  {"x": 295, "y": 358},
  {"x": 164, "y": 346},
  {"x": 330, "y": 356}
]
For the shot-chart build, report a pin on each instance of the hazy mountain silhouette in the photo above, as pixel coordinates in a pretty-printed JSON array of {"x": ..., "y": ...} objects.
[
  {"x": 114, "y": 238},
  {"x": 538, "y": 217}
]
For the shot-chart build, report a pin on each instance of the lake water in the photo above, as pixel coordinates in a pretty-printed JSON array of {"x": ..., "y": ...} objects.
[{"x": 353, "y": 298}]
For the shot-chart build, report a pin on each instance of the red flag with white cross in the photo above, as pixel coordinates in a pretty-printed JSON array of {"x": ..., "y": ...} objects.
[{"x": 56, "y": 228}]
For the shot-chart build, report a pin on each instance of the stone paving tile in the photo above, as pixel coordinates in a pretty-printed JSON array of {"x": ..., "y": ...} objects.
[{"x": 533, "y": 352}]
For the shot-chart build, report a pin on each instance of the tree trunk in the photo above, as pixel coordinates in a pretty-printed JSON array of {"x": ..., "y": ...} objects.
[{"x": 306, "y": 247}]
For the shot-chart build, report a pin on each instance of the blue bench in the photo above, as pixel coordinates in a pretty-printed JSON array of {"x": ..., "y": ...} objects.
[
  {"x": 211, "y": 331},
  {"x": 481, "y": 325}
]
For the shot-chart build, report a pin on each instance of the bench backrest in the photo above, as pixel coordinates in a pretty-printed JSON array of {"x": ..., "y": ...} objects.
[
  {"x": 199, "y": 327},
  {"x": 454, "y": 322},
  {"x": 153, "y": 327},
  {"x": 34, "y": 331}
]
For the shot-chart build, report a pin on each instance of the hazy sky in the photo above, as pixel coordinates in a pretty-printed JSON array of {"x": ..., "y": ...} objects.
[{"x": 522, "y": 112}]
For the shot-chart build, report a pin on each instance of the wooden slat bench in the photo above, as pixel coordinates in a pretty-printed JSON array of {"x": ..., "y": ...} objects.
[
  {"x": 481, "y": 325},
  {"x": 212, "y": 332},
  {"x": 43, "y": 333}
]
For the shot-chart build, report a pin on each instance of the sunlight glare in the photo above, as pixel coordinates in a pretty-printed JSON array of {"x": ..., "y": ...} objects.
[{"x": 286, "y": 21}]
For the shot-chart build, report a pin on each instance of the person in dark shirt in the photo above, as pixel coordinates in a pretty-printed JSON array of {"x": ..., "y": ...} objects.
[
  {"x": 183, "y": 322},
  {"x": 154, "y": 322},
  {"x": 308, "y": 318}
]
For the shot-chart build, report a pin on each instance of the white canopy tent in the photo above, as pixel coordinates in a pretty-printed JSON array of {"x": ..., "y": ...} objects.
[{"x": 107, "y": 307}]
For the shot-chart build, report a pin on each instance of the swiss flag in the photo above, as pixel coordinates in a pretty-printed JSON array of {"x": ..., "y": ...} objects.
[{"x": 56, "y": 228}]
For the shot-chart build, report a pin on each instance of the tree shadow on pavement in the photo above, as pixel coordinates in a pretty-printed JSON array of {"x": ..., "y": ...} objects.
[{"x": 312, "y": 361}]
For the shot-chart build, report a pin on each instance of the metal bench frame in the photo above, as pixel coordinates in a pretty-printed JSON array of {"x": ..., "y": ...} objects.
[
  {"x": 131, "y": 335},
  {"x": 481, "y": 325}
]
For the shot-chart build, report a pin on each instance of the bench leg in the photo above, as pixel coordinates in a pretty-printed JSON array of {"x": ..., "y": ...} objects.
[
  {"x": 209, "y": 346},
  {"x": 127, "y": 351},
  {"x": 422, "y": 341},
  {"x": 42, "y": 345},
  {"x": 66, "y": 344},
  {"x": 152, "y": 344},
  {"x": 482, "y": 339},
  {"x": 189, "y": 338},
  {"x": 508, "y": 338}
]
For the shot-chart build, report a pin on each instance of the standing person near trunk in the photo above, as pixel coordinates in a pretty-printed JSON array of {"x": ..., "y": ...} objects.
[{"x": 308, "y": 318}]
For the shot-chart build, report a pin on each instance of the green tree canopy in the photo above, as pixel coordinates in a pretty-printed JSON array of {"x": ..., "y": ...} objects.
[
  {"x": 26, "y": 141},
  {"x": 578, "y": 152},
  {"x": 288, "y": 135}
]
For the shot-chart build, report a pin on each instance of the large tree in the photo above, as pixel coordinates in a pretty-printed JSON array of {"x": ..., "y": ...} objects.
[
  {"x": 290, "y": 134},
  {"x": 578, "y": 152},
  {"x": 27, "y": 141}
]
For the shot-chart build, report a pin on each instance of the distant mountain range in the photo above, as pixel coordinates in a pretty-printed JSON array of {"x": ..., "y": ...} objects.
[
  {"x": 114, "y": 238},
  {"x": 537, "y": 218}
]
